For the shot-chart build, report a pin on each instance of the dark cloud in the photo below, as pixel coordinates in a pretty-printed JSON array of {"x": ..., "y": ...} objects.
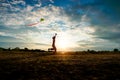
[
  {"x": 8, "y": 39},
  {"x": 101, "y": 12},
  {"x": 42, "y": 44},
  {"x": 110, "y": 33},
  {"x": 114, "y": 5},
  {"x": 20, "y": 30},
  {"x": 82, "y": 7}
]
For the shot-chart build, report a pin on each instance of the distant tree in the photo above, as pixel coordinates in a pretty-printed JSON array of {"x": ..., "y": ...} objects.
[
  {"x": 1, "y": 49},
  {"x": 9, "y": 49},
  {"x": 88, "y": 50},
  {"x": 91, "y": 51},
  {"x": 26, "y": 49},
  {"x": 116, "y": 50},
  {"x": 16, "y": 49}
]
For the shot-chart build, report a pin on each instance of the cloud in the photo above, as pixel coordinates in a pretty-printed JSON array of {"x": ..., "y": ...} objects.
[
  {"x": 55, "y": 20},
  {"x": 14, "y": 2},
  {"x": 51, "y": 1},
  {"x": 2, "y": 33},
  {"x": 110, "y": 33},
  {"x": 100, "y": 12},
  {"x": 86, "y": 24},
  {"x": 9, "y": 39},
  {"x": 101, "y": 17}
]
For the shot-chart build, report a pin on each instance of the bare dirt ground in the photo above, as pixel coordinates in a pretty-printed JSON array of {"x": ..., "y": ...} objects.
[{"x": 61, "y": 66}]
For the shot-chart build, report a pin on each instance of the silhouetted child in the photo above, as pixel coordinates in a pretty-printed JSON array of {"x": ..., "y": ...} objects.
[
  {"x": 53, "y": 44},
  {"x": 54, "y": 49}
]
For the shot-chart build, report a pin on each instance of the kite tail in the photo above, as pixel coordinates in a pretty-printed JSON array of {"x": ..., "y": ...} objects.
[{"x": 32, "y": 24}]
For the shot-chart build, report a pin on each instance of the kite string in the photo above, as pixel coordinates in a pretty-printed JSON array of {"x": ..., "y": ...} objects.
[{"x": 36, "y": 22}]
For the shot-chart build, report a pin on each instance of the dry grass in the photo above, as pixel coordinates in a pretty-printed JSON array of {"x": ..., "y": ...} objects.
[{"x": 46, "y": 66}]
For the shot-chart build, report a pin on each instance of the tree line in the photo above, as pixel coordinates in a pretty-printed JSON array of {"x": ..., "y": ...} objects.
[
  {"x": 40, "y": 50},
  {"x": 19, "y": 49}
]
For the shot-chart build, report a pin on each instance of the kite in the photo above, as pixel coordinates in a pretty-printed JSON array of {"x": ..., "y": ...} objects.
[{"x": 42, "y": 19}]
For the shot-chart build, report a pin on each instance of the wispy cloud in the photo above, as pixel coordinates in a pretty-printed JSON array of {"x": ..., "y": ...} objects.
[
  {"x": 86, "y": 23},
  {"x": 51, "y": 1}
]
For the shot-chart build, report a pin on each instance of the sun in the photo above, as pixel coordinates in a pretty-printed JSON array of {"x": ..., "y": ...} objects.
[{"x": 63, "y": 42}]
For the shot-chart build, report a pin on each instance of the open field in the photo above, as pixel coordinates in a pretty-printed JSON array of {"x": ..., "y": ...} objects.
[{"x": 61, "y": 66}]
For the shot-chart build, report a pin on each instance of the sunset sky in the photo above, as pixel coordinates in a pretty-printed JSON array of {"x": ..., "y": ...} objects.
[{"x": 80, "y": 24}]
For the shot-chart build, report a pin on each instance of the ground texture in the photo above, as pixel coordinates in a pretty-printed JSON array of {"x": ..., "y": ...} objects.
[{"x": 61, "y": 66}]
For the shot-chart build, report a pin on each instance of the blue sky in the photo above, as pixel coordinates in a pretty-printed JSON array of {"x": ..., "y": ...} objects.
[{"x": 80, "y": 24}]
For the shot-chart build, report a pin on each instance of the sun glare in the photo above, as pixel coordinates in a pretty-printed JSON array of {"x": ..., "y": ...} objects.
[{"x": 63, "y": 42}]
